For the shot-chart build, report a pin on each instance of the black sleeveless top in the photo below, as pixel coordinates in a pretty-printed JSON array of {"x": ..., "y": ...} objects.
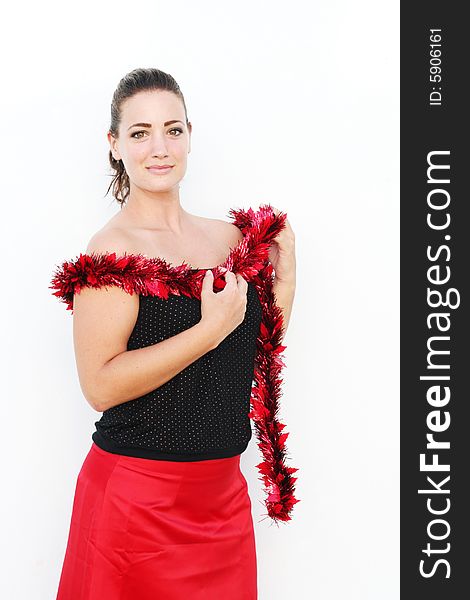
[{"x": 202, "y": 412}]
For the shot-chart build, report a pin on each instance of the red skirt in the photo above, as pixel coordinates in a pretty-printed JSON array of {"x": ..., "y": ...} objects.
[{"x": 144, "y": 529}]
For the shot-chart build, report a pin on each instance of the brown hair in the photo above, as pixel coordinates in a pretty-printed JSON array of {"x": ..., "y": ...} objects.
[{"x": 136, "y": 81}]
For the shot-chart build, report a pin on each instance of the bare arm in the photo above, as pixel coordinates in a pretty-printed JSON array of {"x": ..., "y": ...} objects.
[
  {"x": 110, "y": 374},
  {"x": 284, "y": 292},
  {"x": 282, "y": 256},
  {"x": 104, "y": 319}
]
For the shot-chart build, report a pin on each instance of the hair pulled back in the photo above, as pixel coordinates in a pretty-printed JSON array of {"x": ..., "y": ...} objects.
[{"x": 136, "y": 81}]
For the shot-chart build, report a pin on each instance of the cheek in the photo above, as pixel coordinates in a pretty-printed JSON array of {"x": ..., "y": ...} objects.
[
  {"x": 137, "y": 153},
  {"x": 179, "y": 151},
  {"x": 182, "y": 159}
]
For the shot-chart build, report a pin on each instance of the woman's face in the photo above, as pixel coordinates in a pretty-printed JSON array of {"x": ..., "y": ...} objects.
[{"x": 153, "y": 131}]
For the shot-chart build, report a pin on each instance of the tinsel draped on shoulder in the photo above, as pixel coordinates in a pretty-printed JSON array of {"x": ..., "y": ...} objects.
[{"x": 138, "y": 273}]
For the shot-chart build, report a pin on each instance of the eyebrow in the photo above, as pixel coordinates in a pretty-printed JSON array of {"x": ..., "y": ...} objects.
[{"x": 149, "y": 125}]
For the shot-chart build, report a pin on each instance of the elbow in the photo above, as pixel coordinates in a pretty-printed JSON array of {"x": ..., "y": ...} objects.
[
  {"x": 97, "y": 389},
  {"x": 95, "y": 400},
  {"x": 95, "y": 396},
  {"x": 96, "y": 403}
]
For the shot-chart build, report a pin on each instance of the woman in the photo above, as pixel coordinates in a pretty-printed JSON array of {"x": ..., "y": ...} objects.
[{"x": 167, "y": 349}]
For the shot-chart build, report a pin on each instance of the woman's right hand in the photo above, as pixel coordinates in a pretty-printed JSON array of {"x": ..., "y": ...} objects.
[{"x": 223, "y": 311}]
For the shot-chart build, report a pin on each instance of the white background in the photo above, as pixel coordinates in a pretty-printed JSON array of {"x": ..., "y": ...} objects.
[{"x": 293, "y": 104}]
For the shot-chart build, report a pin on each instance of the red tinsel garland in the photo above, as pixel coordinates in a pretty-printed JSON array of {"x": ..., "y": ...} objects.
[{"x": 154, "y": 276}]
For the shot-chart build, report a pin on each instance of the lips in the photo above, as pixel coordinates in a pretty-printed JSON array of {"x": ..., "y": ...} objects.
[{"x": 158, "y": 167}]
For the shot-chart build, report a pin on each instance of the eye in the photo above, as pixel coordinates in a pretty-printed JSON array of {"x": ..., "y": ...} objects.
[
  {"x": 135, "y": 133},
  {"x": 136, "y": 136}
]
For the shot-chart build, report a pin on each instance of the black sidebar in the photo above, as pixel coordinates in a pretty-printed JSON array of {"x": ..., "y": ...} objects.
[{"x": 434, "y": 302}]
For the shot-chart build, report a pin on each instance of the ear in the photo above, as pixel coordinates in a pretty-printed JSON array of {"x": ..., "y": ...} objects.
[
  {"x": 190, "y": 129},
  {"x": 113, "y": 146}
]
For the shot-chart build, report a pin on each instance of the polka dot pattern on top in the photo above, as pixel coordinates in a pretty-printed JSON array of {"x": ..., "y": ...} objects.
[{"x": 202, "y": 412}]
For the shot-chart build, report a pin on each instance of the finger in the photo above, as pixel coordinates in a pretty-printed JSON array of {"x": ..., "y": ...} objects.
[
  {"x": 230, "y": 281},
  {"x": 242, "y": 283},
  {"x": 208, "y": 280}
]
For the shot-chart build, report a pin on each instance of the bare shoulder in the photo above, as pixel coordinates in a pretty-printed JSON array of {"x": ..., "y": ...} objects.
[
  {"x": 227, "y": 233},
  {"x": 116, "y": 238},
  {"x": 109, "y": 239},
  {"x": 92, "y": 304}
]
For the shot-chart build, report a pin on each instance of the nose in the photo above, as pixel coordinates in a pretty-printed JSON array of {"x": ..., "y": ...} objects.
[{"x": 159, "y": 148}]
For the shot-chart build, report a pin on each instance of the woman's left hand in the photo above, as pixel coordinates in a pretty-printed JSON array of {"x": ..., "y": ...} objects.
[{"x": 282, "y": 252}]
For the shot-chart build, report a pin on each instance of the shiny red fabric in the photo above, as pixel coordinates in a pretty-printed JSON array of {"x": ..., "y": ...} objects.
[{"x": 145, "y": 529}]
